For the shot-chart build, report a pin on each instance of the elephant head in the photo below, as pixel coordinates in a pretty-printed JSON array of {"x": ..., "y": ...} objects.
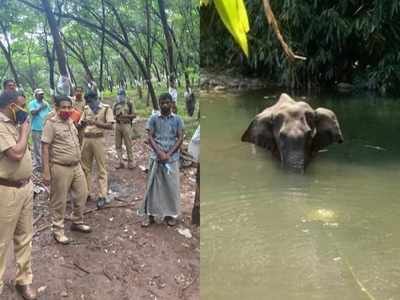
[{"x": 293, "y": 131}]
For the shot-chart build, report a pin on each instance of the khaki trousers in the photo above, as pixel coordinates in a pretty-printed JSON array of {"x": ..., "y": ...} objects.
[
  {"x": 63, "y": 180},
  {"x": 123, "y": 133},
  {"x": 94, "y": 148},
  {"x": 16, "y": 224}
]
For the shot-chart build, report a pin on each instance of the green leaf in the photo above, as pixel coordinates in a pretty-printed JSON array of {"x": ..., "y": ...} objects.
[{"x": 234, "y": 15}]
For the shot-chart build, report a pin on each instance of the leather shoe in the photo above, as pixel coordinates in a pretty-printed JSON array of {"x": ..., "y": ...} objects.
[
  {"x": 26, "y": 291},
  {"x": 120, "y": 166},
  {"x": 101, "y": 202},
  {"x": 81, "y": 228},
  {"x": 61, "y": 239}
]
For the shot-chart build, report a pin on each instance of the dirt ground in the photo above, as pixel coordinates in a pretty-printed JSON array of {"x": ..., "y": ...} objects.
[{"x": 119, "y": 260}]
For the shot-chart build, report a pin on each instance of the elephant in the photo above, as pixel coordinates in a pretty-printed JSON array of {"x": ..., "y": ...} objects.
[{"x": 293, "y": 131}]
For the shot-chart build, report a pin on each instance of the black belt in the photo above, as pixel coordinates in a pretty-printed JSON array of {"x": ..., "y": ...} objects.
[
  {"x": 93, "y": 135},
  {"x": 15, "y": 184},
  {"x": 67, "y": 165}
]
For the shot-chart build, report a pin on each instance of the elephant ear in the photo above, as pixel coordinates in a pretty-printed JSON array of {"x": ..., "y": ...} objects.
[
  {"x": 327, "y": 129},
  {"x": 259, "y": 131}
]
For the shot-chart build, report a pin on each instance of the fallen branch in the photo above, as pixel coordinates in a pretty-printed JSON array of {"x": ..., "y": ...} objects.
[
  {"x": 37, "y": 219},
  {"x": 40, "y": 229},
  {"x": 105, "y": 207},
  {"x": 80, "y": 268},
  {"x": 120, "y": 200},
  {"x": 107, "y": 275}
]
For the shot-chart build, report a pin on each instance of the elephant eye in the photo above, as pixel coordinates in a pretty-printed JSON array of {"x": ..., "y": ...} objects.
[
  {"x": 278, "y": 117},
  {"x": 310, "y": 119}
]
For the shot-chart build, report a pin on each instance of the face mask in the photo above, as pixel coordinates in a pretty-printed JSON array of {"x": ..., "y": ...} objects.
[
  {"x": 19, "y": 114},
  {"x": 65, "y": 115}
]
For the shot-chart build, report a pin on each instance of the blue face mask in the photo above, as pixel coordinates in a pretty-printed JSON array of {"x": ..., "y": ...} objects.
[{"x": 20, "y": 114}]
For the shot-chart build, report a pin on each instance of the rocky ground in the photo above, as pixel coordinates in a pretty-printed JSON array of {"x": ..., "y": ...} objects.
[{"x": 119, "y": 260}]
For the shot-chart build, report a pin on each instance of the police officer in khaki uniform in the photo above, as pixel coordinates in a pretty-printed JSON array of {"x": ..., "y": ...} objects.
[
  {"x": 78, "y": 101},
  {"x": 123, "y": 114},
  {"x": 62, "y": 169},
  {"x": 78, "y": 104},
  {"x": 95, "y": 119},
  {"x": 16, "y": 189}
]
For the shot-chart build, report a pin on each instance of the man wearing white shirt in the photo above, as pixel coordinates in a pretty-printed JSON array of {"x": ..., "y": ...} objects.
[{"x": 174, "y": 94}]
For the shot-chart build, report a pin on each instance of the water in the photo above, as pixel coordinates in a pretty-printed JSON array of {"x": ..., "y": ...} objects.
[{"x": 329, "y": 234}]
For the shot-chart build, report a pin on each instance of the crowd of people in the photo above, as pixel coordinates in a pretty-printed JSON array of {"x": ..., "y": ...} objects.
[{"x": 66, "y": 137}]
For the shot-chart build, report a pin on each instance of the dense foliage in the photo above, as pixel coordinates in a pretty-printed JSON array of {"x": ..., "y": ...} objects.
[
  {"x": 133, "y": 36},
  {"x": 352, "y": 41}
]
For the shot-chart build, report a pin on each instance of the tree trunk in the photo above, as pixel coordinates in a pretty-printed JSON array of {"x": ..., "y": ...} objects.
[
  {"x": 166, "y": 72},
  {"x": 62, "y": 64},
  {"x": 10, "y": 63},
  {"x": 149, "y": 59},
  {"x": 109, "y": 76},
  {"x": 180, "y": 58},
  {"x": 157, "y": 72},
  {"x": 50, "y": 60},
  {"x": 79, "y": 55},
  {"x": 102, "y": 46},
  {"x": 71, "y": 74},
  {"x": 168, "y": 40}
]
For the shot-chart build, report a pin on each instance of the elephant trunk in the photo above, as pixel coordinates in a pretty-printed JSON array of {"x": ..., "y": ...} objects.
[{"x": 294, "y": 160}]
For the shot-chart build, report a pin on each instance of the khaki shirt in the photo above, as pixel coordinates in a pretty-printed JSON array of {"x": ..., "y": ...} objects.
[
  {"x": 11, "y": 169},
  {"x": 50, "y": 115},
  {"x": 104, "y": 114},
  {"x": 122, "y": 109},
  {"x": 62, "y": 136},
  {"x": 78, "y": 105}
]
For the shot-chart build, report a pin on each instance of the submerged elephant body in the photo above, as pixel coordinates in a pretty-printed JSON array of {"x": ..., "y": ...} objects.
[{"x": 293, "y": 131}]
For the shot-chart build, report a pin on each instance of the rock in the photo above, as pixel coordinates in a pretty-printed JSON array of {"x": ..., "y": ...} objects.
[
  {"x": 41, "y": 289},
  {"x": 185, "y": 232},
  {"x": 344, "y": 87},
  {"x": 219, "y": 88},
  {"x": 64, "y": 294}
]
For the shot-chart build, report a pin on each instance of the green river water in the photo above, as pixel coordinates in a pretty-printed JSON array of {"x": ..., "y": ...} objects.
[{"x": 331, "y": 233}]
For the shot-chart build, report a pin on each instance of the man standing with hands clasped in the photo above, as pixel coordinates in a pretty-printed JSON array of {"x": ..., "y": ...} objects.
[
  {"x": 16, "y": 189},
  {"x": 162, "y": 197},
  {"x": 62, "y": 169}
]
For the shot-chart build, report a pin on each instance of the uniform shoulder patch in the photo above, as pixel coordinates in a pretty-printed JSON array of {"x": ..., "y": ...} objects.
[{"x": 52, "y": 116}]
